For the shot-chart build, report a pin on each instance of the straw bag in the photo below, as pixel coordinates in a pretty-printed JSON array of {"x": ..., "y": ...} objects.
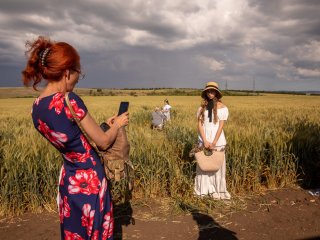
[
  {"x": 210, "y": 160},
  {"x": 117, "y": 164}
]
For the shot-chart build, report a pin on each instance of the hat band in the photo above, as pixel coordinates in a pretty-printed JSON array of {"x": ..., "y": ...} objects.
[{"x": 212, "y": 86}]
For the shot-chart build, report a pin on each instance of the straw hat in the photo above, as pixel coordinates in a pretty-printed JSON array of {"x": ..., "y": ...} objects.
[{"x": 214, "y": 86}]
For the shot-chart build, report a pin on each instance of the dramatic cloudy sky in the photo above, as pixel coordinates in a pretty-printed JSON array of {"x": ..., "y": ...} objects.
[{"x": 268, "y": 44}]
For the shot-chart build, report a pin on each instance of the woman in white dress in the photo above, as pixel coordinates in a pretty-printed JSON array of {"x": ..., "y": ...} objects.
[
  {"x": 212, "y": 115},
  {"x": 166, "y": 110}
]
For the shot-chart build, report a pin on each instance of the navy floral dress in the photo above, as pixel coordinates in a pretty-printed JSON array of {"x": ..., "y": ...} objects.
[{"x": 85, "y": 205}]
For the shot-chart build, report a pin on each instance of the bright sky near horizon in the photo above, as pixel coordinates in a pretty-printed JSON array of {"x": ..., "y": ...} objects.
[{"x": 242, "y": 44}]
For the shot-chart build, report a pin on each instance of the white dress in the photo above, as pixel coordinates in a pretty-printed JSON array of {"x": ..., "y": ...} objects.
[
  {"x": 166, "y": 111},
  {"x": 213, "y": 183}
]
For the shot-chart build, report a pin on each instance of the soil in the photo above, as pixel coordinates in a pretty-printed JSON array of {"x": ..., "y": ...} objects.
[{"x": 280, "y": 214}]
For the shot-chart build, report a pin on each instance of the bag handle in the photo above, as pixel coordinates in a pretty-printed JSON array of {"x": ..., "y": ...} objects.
[{"x": 91, "y": 142}]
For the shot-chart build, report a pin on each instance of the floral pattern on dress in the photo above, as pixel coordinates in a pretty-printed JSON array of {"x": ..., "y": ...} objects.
[
  {"x": 76, "y": 157},
  {"x": 102, "y": 192},
  {"x": 78, "y": 111},
  {"x": 108, "y": 226},
  {"x": 57, "y": 103},
  {"x": 95, "y": 235},
  {"x": 63, "y": 173},
  {"x": 87, "y": 147},
  {"x": 56, "y": 138},
  {"x": 72, "y": 236},
  {"x": 85, "y": 182},
  {"x": 80, "y": 157},
  {"x": 84, "y": 200},
  {"x": 64, "y": 208},
  {"x": 87, "y": 218},
  {"x": 37, "y": 101}
]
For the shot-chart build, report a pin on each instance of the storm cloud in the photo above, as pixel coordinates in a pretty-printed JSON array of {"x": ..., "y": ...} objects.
[{"x": 273, "y": 45}]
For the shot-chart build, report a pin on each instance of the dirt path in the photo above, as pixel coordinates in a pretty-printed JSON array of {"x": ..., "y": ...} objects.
[{"x": 283, "y": 214}]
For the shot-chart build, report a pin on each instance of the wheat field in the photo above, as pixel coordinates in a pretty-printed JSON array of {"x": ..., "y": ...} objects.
[{"x": 273, "y": 142}]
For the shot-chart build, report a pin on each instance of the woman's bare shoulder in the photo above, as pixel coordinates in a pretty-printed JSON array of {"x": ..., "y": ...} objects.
[{"x": 221, "y": 105}]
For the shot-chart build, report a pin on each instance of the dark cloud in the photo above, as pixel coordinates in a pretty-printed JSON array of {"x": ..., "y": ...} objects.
[{"x": 176, "y": 43}]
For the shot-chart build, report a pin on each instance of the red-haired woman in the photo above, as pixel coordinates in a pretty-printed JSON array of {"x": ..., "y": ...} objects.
[
  {"x": 85, "y": 204},
  {"x": 211, "y": 118}
]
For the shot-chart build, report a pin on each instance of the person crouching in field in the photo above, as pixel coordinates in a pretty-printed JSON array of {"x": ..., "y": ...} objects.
[
  {"x": 212, "y": 115},
  {"x": 158, "y": 119},
  {"x": 85, "y": 205}
]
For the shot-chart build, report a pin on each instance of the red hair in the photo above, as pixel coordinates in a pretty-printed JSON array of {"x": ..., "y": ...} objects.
[{"x": 61, "y": 56}]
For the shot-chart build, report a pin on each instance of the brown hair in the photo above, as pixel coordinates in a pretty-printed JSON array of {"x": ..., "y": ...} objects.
[
  {"x": 60, "y": 57},
  {"x": 203, "y": 106}
]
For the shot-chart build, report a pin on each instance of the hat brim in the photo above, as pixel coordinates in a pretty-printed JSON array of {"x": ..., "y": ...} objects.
[{"x": 218, "y": 95}]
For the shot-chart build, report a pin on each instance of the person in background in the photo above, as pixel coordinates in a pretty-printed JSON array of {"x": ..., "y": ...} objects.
[
  {"x": 166, "y": 110},
  {"x": 84, "y": 200},
  {"x": 212, "y": 115},
  {"x": 158, "y": 119}
]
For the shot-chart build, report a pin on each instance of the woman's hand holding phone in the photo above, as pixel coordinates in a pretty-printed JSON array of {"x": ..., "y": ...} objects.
[
  {"x": 122, "y": 120},
  {"x": 123, "y": 116},
  {"x": 110, "y": 120}
]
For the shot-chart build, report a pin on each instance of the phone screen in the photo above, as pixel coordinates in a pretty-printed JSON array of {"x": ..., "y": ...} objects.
[{"x": 123, "y": 107}]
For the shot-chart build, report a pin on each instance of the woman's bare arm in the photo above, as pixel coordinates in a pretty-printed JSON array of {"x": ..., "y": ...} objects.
[{"x": 103, "y": 139}]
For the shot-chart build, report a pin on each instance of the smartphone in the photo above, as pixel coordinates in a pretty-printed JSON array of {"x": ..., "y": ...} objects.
[{"x": 123, "y": 107}]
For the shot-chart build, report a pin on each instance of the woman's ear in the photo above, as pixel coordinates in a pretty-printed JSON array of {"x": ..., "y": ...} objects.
[{"x": 67, "y": 74}]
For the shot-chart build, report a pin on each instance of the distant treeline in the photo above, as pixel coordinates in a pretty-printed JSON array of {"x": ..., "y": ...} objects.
[
  {"x": 313, "y": 93},
  {"x": 22, "y": 92},
  {"x": 158, "y": 92},
  {"x": 179, "y": 92}
]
